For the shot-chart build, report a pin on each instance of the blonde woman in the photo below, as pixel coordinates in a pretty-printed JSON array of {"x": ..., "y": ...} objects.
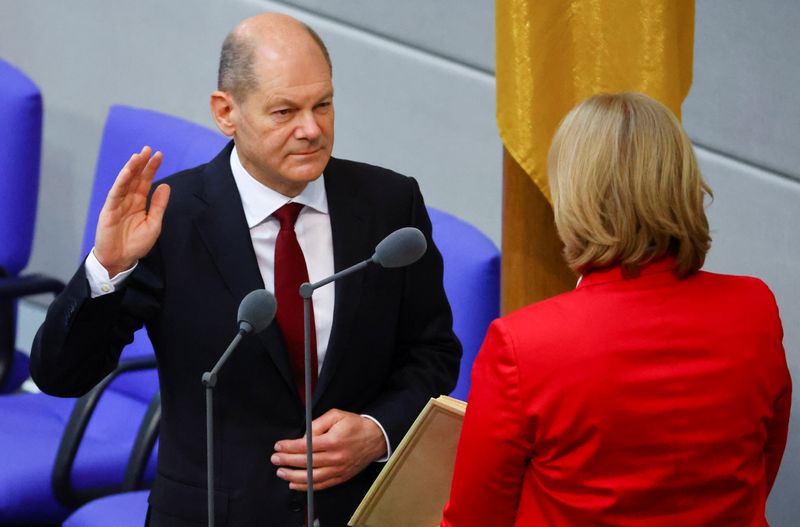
[{"x": 655, "y": 393}]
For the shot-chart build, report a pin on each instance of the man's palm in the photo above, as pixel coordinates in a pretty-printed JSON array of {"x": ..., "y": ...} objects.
[{"x": 126, "y": 229}]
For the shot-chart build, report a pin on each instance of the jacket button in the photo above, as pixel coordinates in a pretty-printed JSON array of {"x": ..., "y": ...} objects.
[{"x": 296, "y": 504}]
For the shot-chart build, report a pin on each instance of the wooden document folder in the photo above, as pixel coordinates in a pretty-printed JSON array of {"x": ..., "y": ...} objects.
[{"x": 413, "y": 487}]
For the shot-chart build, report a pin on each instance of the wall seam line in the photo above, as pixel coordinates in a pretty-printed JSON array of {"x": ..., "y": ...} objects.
[
  {"x": 382, "y": 36},
  {"x": 748, "y": 163}
]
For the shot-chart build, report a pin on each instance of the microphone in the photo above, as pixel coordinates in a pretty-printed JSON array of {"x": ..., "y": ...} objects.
[
  {"x": 256, "y": 312},
  {"x": 400, "y": 248}
]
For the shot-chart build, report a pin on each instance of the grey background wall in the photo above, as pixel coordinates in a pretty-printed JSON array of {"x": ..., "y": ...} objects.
[{"x": 415, "y": 92}]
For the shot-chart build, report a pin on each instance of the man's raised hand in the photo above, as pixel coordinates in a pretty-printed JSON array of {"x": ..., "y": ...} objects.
[{"x": 126, "y": 229}]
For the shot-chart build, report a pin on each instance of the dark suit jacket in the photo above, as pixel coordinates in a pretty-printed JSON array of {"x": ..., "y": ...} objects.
[{"x": 391, "y": 345}]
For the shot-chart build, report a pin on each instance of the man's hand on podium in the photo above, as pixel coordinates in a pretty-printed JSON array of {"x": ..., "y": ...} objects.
[{"x": 344, "y": 444}]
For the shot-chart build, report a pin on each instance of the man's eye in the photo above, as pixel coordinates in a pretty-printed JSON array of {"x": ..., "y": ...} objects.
[{"x": 283, "y": 112}]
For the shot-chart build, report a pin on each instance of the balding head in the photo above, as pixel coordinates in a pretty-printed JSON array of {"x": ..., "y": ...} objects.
[{"x": 271, "y": 35}]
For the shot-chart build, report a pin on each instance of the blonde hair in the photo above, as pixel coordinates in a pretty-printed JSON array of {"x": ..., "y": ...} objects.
[{"x": 626, "y": 187}]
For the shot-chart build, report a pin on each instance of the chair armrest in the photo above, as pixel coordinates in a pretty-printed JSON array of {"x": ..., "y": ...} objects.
[
  {"x": 73, "y": 435},
  {"x": 12, "y": 287},
  {"x": 143, "y": 446},
  {"x": 27, "y": 285}
]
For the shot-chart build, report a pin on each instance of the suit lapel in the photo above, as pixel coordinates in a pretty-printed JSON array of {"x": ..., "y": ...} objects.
[
  {"x": 349, "y": 229},
  {"x": 223, "y": 229}
]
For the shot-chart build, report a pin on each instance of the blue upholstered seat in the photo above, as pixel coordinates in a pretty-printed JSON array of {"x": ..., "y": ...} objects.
[
  {"x": 472, "y": 284},
  {"x": 127, "y": 509},
  {"x": 32, "y": 425}
]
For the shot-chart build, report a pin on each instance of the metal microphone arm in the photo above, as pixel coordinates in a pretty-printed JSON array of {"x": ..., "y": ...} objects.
[
  {"x": 306, "y": 291},
  {"x": 210, "y": 381},
  {"x": 402, "y": 247}
]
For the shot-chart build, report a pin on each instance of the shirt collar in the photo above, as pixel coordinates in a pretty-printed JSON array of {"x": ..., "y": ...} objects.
[{"x": 259, "y": 201}]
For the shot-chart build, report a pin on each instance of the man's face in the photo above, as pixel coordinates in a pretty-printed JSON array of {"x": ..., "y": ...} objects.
[{"x": 284, "y": 128}]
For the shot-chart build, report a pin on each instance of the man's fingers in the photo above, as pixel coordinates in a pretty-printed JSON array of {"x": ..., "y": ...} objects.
[
  {"x": 130, "y": 173},
  {"x": 150, "y": 169},
  {"x": 158, "y": 204},
  {"x": 291, "y": 446},
  {"x": 299, "y": 477},
  {"x": 120, "y": 187},
  {"x": 298, "y": 446},
  {"x": 325, "y": 422},
  {"x": 321, "y": 459}
]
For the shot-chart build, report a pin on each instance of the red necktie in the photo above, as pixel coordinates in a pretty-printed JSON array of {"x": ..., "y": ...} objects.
[{"x": 290, "y": 272}]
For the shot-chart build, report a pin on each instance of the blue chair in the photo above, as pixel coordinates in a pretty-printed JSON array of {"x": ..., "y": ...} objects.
[
  {"x": 472, "y": 284},
  {"x": 60, "y": 453},
  {"x": 128, "y": 509},
  {"x": 20, "y": 154}
]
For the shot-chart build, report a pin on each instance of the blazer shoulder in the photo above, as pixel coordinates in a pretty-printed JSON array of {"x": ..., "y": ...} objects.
[
  {"x": 553, "y": 315},
  {"x": 749, "y": 289},
  {"x": 195, "y": 180},
  {"x": 371, "y": 177},
  {"x": 751, "y": 297},
  {"x": 184, "y": 180}
]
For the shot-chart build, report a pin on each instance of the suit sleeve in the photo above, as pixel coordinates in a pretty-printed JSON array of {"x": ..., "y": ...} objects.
[
  {"x": 428, "y": 353},
  {"x": 776, "y": 438},
  {"x": 495, "y": 445},
  {"x": 778, "y": 426},
  {"x": 81, "y": 338}
]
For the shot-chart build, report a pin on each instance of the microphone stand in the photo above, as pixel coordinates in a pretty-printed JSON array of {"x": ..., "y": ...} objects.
[
  {"x": 306, "y": 292},
  {"x": 210, "y": 381}
]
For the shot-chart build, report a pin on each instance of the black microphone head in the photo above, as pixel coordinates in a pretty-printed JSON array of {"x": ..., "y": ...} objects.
[
  {"x": 402, "y": 247},
  {"x": 257, "y": 311}
]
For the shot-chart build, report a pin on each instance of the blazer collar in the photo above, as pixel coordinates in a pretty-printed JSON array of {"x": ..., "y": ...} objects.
[
  {"x": 614, "y": 274},
  {"x": 223, "y": 229},
  {"x": 350, "y": 219}
]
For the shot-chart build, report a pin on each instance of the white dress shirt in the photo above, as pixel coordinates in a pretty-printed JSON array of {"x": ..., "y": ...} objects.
[{"x": 313, "y": 230}]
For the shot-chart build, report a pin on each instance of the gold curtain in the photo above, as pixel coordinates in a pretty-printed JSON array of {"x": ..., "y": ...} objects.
[{"x": 552, "y": 54}]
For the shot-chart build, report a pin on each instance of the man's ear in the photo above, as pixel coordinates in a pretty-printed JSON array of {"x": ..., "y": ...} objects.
[{"x": 223, "y": 110}]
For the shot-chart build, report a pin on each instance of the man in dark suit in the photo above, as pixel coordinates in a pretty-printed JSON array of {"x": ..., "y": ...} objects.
[{"x": 272, "y": 207}]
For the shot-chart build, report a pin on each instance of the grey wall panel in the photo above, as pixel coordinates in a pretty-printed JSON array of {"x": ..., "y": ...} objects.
[
  {"x": 745, "y": 100},
  {"x": 397, "y": 106},
  {"x": 422, "y": 116},
  {"x": 87, "y": 55},
  {"x": 753, "y": 219},
  {"x": 462, "y": 30}
]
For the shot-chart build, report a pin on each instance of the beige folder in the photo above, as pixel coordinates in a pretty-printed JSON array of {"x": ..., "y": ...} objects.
[{"x": 413, "y": 487}]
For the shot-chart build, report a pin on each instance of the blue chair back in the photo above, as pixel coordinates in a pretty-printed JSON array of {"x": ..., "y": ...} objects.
[
  {"x": 20, "y": 154},
  {"x": 472, "y": 284},
  {"x": 33, "y": 424},
  {"x": 185, "y": 145}
]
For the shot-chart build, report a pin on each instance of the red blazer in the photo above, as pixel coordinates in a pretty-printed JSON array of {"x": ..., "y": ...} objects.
[{"x": 644, "y": 402}]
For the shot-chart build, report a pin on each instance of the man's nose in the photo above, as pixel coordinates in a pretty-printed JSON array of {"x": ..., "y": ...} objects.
[{"x": 308, "y": 127}]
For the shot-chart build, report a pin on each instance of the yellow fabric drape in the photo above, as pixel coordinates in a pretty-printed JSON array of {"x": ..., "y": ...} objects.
[{"x": 552, "y": 54}]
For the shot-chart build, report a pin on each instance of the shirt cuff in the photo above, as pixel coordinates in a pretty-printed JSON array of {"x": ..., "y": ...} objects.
[
  {"x": 385, "y": 437},
  {"x": 99, "y": 282}
]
